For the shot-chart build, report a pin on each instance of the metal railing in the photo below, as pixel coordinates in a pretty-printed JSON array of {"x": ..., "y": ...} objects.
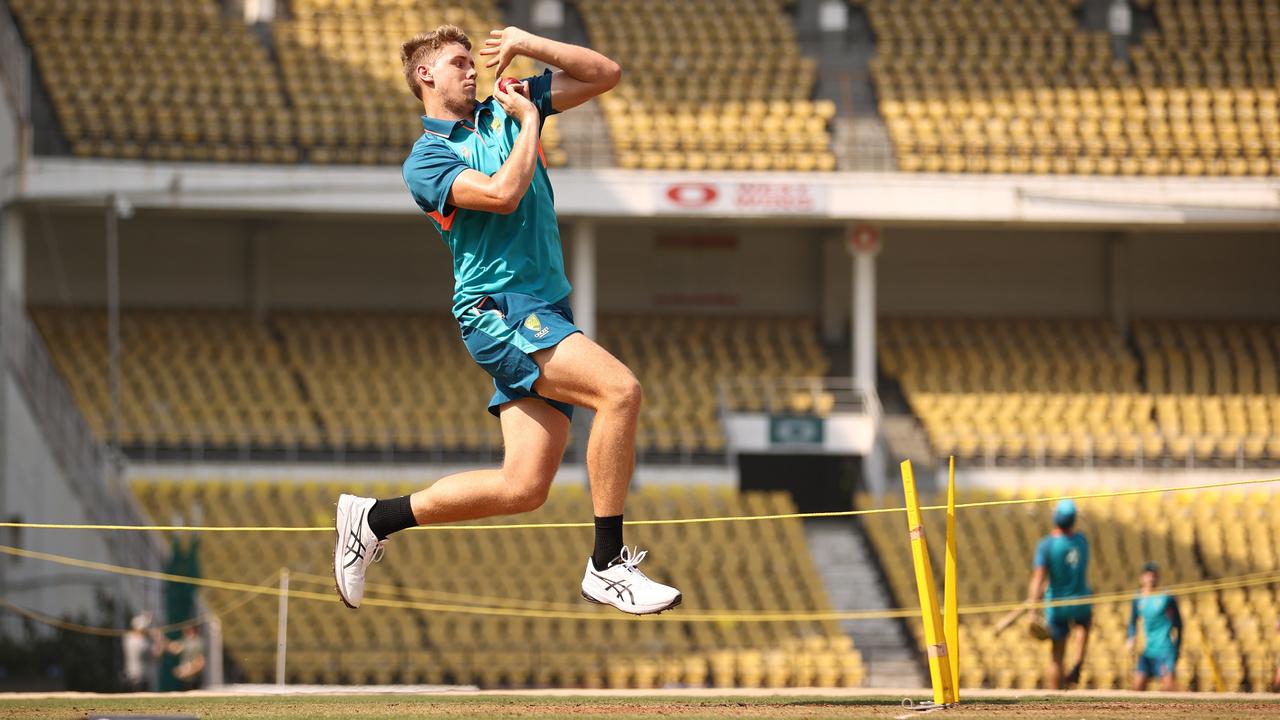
[
  {"x": 795, "y": 396},
  {"x": 1077, "y": 450},
  {"x": 91, "y": 469},
  {"x": 238, "y": 443},
  {"x": 15, "y": 65},
  {"x": 235, "y": 442}
]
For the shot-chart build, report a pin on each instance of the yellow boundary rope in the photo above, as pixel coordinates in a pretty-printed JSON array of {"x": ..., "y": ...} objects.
[
  {"x": 635, "y": 523},
  {"x": 118, "y": 632},
  {"x": 1241, "y": 581},
  {"x": 479, "y": 605}
]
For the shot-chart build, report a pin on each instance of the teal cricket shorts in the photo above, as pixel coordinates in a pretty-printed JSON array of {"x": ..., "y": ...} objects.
[{"x": 503, "y": 330}]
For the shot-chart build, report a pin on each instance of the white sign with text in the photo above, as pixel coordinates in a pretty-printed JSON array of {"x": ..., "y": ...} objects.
[{"x": 741, "y": 198}]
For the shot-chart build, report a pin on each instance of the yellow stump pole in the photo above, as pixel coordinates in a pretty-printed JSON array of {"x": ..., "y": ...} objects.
[
  {"x": 951, "y": 604},
  {"x": 936, "y": 643}
]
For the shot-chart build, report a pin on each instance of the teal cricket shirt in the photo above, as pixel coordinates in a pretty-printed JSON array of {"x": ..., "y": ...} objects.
[
  {"x": 1160, "y": 617},
  {"x": 492, "y": 253},
  {"x": 1066, "y": 556}
]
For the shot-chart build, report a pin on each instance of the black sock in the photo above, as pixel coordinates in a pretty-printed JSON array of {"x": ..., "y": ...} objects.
[
  {"x": 389, "y": 516},
  {"x": 608, "y": 541}
]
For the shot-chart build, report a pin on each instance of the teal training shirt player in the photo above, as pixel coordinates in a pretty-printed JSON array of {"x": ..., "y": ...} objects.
[
  {"x": 1066, "y": 557},
  {"x": 1159, "y": 614},
  {"x": 492, "y": 253}
]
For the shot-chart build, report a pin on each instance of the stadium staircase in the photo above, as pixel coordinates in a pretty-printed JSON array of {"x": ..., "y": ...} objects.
[
  {"x": 853, "y": 581},
  {"x": 860, "y": 139}
]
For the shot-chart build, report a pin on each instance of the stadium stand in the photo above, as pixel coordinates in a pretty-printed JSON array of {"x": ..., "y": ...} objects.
[
  {"x": 408, "y": 645},
  {"x": 1193, "y": 536},
  {"x": 681, "y": 362},
  {"x": 210, "y": 378},
  {"x": 1062, "y": 390},
  {"x": 973, "y": 86},
  {"x": 343, "y": 99},
  {"x": 983, "y": 86},
  {"x": 1014, "y": 388},
  {"x": 715, "y": 107},
  {"x": 1215, "y": 385},
  {"x": 403, "y": 380},
  {"x": 153, "y": 94},
  {"x": 370, "y": 381}
]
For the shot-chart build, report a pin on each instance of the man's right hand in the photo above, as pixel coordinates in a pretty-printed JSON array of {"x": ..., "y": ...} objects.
[{"x": 516, "y": 102}]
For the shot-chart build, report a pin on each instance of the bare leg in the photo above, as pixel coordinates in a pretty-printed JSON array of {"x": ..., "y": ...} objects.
[
  {"x": 1082, "y": 632},
  {"x": 534, "y": 435},
  {"x": 1169, "y": 682},
  {"x": 1139, "y": 682},
  {"x": 580, "y": 372},
  {"x": 1054, "y": 678}
]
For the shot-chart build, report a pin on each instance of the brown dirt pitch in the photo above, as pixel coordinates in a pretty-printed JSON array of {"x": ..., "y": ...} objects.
[{"x": 604, "y": 705}]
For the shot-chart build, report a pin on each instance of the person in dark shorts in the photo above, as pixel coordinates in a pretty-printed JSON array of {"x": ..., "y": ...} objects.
[
  {"x": 478, "y": 173},
  {"x": 1061, "y": 570}
]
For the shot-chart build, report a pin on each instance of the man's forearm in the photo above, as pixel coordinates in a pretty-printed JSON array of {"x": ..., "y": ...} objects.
[
  {"x": 1035, "y": 589},
  {"x": 579, "y": 63},
  {"x": 513, "y": 178}
]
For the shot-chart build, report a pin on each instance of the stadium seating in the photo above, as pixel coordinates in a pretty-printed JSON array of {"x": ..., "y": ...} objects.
[
  {"x": 1063, "y": 390},
  {"x": 989, "y": 86},
  {"x": 1194, "y": 536},
  {"x": 169, "y": 81},
  {"x": 690, "y": 98},
  {"x": 181, "y": 81},
  {"x": 598, "y": 648},
  {"x": 403, "y": 381},
  {"x": 1019, "y": 388},
  {"x": 682, "y": 361},
  {"x": 971, "y": 86},
  {"x": 1215, "y": 385},
  {"x": 390, "y": 381},
  {"x": 210, "y": 379}
]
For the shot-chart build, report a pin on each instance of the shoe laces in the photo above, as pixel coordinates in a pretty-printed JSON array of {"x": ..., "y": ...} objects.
[{"x": 629, "y": 558}]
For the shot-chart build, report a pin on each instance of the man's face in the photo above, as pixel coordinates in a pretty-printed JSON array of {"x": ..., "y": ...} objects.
[
  {"x": 1148, "y": 580},
  {"x": 453, "y": 76}
]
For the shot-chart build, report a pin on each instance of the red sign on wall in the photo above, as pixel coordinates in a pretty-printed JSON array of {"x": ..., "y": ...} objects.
[{"x": 864, "y": 238}]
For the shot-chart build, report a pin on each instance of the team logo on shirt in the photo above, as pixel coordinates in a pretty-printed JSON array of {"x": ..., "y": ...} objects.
[
  {"x": 466, "y": 153},
  {"x": 534, "y": 325},
  {"x": 496, "y": 124}
]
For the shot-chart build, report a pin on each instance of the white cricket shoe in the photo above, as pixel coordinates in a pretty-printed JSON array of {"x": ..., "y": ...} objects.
[
  {"x": 623, "y": 586},
  {"x": 357, "y": 547}
]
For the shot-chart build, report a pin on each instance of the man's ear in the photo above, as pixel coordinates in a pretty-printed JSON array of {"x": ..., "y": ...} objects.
[{"x": 424, "y": 75}]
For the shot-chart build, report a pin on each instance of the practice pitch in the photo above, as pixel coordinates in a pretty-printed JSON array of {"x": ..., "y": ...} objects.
[{"x": 610, "y": 705}]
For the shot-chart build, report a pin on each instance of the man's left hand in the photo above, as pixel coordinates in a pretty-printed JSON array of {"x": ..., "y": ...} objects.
[{"x": 504, "y": 46}]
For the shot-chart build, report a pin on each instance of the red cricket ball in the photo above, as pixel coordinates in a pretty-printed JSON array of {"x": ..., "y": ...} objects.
[{"x": 505, "y": 84}]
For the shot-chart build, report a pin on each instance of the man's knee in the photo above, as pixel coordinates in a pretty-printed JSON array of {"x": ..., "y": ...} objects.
[
  {"x": 528, "y": 494},
  {"x": 623, "y": 392}
]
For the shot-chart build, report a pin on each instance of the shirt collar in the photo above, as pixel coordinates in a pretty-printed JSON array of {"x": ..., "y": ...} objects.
[{"x": 444, "y": 128}]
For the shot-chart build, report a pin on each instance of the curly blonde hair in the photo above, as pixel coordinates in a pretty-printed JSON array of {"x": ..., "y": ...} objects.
[{"x": 423, "y": 48}]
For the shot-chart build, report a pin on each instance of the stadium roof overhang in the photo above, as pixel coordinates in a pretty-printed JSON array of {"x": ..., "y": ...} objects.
[{"x": 793, "y": 198}]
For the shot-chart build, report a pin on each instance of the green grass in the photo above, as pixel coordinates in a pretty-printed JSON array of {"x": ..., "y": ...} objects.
[{"x": 388, "y": 707}]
